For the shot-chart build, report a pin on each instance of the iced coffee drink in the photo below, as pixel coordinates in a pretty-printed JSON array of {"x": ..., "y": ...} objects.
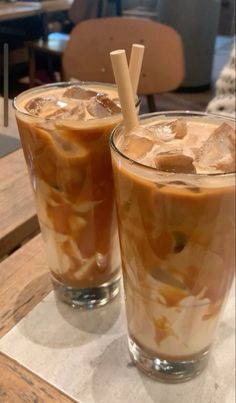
[
  {"x": 64, "y": 130},
  {"x": 175, "y": 188}
]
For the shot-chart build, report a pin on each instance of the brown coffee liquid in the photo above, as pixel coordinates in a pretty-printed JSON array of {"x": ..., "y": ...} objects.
[
  {"x": 177, "y": 231},
  {"x": 64, "y": 133}
]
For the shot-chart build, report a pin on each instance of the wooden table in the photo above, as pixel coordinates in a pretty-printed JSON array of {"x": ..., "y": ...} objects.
[
  {"x": 52, "y": 353},
  {"x": 21, "y": 9},
  {"x": 12, "y": 11},
  {"x": 18, "y": 216},
  {"x": 21, "y": 265}
]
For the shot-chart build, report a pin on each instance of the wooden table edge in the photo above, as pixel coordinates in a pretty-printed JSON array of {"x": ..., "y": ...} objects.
[
  {"x": 19, "y": 384},
  {"x": 24, "y": 283}
]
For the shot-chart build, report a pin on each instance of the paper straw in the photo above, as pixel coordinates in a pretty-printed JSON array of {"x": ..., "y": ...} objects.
[
  {"x": 125, "y": 91},
  {"x": 135, "y": 65}
]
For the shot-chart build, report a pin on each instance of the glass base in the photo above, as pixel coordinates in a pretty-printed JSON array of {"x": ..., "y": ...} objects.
[
  {"x": 86, "y": 298},
  {"x": 167, "y": 371}
]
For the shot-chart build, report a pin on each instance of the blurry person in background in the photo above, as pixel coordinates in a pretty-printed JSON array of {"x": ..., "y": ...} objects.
[{"x": 224, "y": 101}]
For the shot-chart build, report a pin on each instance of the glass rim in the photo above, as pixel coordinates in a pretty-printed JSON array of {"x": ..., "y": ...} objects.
[
  {"x": 64, "y": 84},
  {"x": 164, "y": 173}
]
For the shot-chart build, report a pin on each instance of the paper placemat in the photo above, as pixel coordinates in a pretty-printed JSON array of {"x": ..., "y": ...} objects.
[{"x": 84, "y": 353}]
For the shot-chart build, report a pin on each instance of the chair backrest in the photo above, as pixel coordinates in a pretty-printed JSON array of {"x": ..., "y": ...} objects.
[{"x": 86, "y": 56}]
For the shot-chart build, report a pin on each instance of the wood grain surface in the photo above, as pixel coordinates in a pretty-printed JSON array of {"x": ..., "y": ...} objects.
[
  {"x": 18, "y": 220},
  {"x": 24, "y": 282},
  {"x": 19, "y": 385}
]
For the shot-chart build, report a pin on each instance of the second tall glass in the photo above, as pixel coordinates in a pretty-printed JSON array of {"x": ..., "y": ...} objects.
[{"x": 175, "y": 188}]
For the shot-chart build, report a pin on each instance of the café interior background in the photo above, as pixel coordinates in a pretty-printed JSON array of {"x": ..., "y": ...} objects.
[{"x": 16, "y": 32}]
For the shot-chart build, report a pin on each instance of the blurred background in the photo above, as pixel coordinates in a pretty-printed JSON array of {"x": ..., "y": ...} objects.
[{"x": 37, "y": 33}]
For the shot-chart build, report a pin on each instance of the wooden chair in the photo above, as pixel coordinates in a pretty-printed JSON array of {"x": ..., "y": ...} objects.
[
  {"x": 53, "y": 48},
  {"x": 86, "y": 55}
]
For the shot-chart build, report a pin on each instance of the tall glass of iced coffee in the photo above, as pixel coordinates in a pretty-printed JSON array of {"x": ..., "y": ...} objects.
[
  {"x": 175, "y": 191},
  {"x": 64, "y": 130}
]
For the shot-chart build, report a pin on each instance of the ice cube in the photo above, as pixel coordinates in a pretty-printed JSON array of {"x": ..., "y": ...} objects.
[
  {"x": 71, "y": 111},
  {"x": 108, "y": 104},
  {"x": 136, "y": 147},
  {"x": 41, "y": 106},
  {"x": 218, "y": 151},
  {"x": 95, "y": 109},
  {"x": 176, "y": 129},
  {"x": 145, "y": 132},
  {"x": 101, "y": 106},
  {"x": 177, "y": 163},
  {"x": 77, "y": 92},
  {"x": 179, "y": 127},
  {"x": 52, "y": 108}
]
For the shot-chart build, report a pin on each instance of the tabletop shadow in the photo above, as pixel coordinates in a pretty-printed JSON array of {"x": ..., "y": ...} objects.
[
  {"x": 53, "y": 324},
  {"x": 94, "y": 321},
  {"x": 115, "y": 369},
  {"x": 128, "y": 384}
]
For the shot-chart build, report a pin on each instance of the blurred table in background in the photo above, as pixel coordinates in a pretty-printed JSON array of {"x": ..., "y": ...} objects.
[
  {"x": 10, "y": 11},
  {"x": 20, "y": 9},
  {"x": 23, "y": 21}
]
